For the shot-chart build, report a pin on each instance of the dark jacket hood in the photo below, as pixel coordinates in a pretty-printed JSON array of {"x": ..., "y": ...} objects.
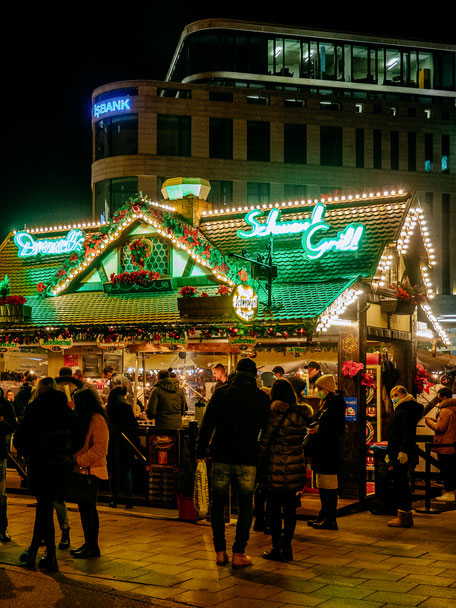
[
  {"x": 168, "y": 384},
  {"x": 280, "y": 407}
]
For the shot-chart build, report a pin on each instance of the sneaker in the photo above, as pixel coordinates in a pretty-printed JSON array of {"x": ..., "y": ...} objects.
[
  {"x": 447, "y": 497},
  {"x": 241, "y": 560}
]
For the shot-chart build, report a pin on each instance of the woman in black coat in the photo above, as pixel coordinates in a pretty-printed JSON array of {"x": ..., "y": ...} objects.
[
  {"x": 324, "y": 449},
  {"x": 282, "y": 468},
  {"x": 120, "y": 455},
  {"x": 49, "y": 436}
]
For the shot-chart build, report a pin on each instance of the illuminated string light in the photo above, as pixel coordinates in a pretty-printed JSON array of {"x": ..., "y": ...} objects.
[
  {"x": 338, "y": 307},
  {"x": 438, "y": 329}
]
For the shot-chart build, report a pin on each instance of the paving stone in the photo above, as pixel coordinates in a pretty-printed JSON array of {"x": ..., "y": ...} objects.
[
  {"x": 434, "y": 591},
  {"x": 293, "y": 597},
  {"x": 403, "y": 599},
  {"x": 395, "y": 586},
  {"x": 385, "y": 575},
  {"x": 340, "y": 602},
  {"x": 441, "y": 581}
]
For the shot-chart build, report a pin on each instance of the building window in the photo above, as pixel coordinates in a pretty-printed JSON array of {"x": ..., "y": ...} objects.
[
  {"x": 295, "y": 144},
  {"x": 220, "y": 138},
  {"x": 359, "y": 143},
  {"x": 411, "y": 151},
  {"x": 258, "y": 140},
  {"x": 258, "y": 100},
  {"x": 125, "y": 92},
  {"x": 446, "y": 249},
  {"x": 220, "y": 96},
  {"x": 295, "y": 192},
  {"x": 331, "y": 146},
  {"x": 445, "y": 153},
  {"x": 173, "y": 135},
  {"x": 258, "y": 193},
  {"x": 111, "y": 194},
  {"x": 116, "y": 136},
  {"x": 377, "y": 151},
  {"x": 428, "y": 151},
  {"x": 221, "y": 193},
  {"x": 395, "y": 150}
]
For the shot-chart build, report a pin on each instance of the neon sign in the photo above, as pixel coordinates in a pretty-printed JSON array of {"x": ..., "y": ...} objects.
[
  {"x": 113, "y": 105},
  {"x": 346, "y": 240},
  {"x": 31, "y": 247}
]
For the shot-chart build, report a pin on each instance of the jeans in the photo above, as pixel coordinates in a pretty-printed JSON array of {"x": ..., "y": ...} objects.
[
  {"x": 62, "y": 513},
  {"x": 3, "y": 518},
  {"x": 242, "y": 478}
]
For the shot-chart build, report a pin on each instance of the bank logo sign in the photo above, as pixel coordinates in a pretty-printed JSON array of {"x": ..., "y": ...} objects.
[
  {"x": 312, "y": 231},
  {"x": 111, "y": 106}
]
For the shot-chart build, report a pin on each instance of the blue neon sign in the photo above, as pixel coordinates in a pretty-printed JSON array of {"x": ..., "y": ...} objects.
[
  {"x": 111, "y": 106},
  {"x": 347, "y": 239},
  {"x": 31, "y": 247}
]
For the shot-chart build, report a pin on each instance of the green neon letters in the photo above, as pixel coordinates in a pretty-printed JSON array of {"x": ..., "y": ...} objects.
[
  {"x": 31, "y": 247},
  {"x": 346, "y": 240}
]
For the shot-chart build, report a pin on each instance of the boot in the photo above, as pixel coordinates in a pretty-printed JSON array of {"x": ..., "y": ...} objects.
[
  {"x": 221, "y": 558},
  {"x": 79, "y": 550},
  {"x": 241, "y": 560},
  {"x": 88, "y": 552},
  {"x": 274, "y": 554},
  {"x": 287, "y": 553},
  {"x": 404, "y": 519},
  {"x": 28, "y": 557},
  {"x": 318, "y": 520},
  {"x": 128, "y": 502},
  {"x": 65, "y": 540},
  {"x": 329, "y": 523},
  {"x": 49, "y": 562},
  {"x": 5, "y": 537}
]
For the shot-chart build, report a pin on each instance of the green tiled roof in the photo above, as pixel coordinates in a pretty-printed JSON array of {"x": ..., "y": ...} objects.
[{"x": 381, "y": 221}]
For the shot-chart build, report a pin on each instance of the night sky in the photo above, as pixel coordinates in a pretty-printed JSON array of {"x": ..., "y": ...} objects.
[{"x": 52, "y": 62}]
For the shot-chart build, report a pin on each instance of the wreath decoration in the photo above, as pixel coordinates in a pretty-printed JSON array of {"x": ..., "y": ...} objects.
[{"x": 140, "y": 250}]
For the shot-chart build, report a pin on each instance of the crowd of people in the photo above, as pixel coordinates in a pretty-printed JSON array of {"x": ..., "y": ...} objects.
[{"x": 258, "y": 439}]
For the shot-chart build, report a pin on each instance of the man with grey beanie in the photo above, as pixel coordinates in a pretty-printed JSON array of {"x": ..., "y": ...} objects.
[{"x": 234, "y": 417}]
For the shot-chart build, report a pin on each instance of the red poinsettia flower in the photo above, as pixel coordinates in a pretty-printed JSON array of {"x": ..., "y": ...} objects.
[
  {"x": 223, "y": 290},
  {"x": 40, "y": 287},
  {"x": 351, "y": 368},
  {"x": 204, "y": 294},
  {"x": 243, "y": 275},
  {"x": 188, "y": 291}
]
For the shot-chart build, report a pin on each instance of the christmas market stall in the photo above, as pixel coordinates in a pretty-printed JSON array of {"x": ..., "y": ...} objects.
[{"x": 176, "y": 284}]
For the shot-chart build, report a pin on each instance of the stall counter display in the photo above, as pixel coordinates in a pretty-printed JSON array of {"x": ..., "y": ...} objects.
[{"x": 163, "y": 448}]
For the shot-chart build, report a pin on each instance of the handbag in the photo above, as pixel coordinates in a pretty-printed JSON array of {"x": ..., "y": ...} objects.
[
  {"x": 79, "y": 487},
  {"x": 201, "y": 488}
]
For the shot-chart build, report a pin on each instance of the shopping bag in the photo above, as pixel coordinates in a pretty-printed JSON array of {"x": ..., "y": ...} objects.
[{"x": 201, "y": 488}]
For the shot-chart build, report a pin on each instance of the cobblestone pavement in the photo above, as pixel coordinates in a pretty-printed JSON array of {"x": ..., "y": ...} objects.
[{"x": 364, "y": 564}]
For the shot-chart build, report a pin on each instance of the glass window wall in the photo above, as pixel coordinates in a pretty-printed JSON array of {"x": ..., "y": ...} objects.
[
  {"x": 173, "y": 135},
  {"x": 116, "y": 136}
]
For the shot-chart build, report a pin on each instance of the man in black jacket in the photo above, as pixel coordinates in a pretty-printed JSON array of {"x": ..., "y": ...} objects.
[
  {"x": 234, "y": 417},
  {"x": 402, "y": 451},
  {"x": 7, "y": 427}
]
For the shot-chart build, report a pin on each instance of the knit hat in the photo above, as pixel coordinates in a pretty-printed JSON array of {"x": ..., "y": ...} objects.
[
  {"x": 247, "y": 365},
  {"x": 313, "y": 364},
  {"x": 327, "y": 382}
]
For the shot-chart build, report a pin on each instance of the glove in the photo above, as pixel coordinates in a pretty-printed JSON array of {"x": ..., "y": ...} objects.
[
  {"x": 387, "y": 459},
  {"x": 402, "y": 457}
]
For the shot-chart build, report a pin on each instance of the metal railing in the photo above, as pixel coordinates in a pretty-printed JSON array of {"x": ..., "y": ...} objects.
[{"x": 430, "y": 460}]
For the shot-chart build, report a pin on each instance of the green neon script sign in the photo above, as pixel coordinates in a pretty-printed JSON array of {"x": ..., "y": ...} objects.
[
  {"x": 312, "y": 242},
  {"x": 29, "y": 246}
]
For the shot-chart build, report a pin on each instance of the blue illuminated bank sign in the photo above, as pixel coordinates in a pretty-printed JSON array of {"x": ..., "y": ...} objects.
[
  {"x": 312, "y": 231},
  {"x": 30, "y": 247},
  {"x": 111, "y": 106}
]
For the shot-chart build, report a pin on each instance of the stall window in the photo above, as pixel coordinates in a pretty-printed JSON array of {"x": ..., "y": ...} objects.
[
  {"x": 377, "y": 152},
  {"x": 258, "y": 140},
  {"x": 111, "y": 194},
  {"x": 331, "y": 146},
  {"x": 295, "y": 143},
  {"x": 411, "y": 151},
  {"x": 359, "y": 137},
  {"x": 220, "y": 138},
  {"x": 116, "y": 136},
  {"x": 221, "y": 194},
  {"x": 258, "y": 193},
  {"x": 445, "y": 153},
  {"x": 394, "y": 150},
  {"x": 295, "y": 192},
  {"x": 428, "y": 151},
  {"x": 173, "y": 135}
]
